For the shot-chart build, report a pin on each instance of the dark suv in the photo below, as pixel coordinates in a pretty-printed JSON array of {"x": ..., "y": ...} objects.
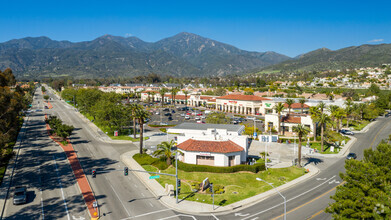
[{"x": 351, "y": 156}]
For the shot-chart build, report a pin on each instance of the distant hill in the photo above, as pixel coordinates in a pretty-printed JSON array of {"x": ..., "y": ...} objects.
[
  {"x": 184, "y": 54},
  {"x": 346, "y": 58}
]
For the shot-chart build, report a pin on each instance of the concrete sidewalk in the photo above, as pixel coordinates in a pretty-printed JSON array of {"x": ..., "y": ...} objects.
[{"x": 191, "y": 207}]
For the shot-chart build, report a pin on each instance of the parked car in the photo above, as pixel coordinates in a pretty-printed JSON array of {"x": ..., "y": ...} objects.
[
  {"x": 250, "y": 118},
  {"x": 187, "y": 117},
  {"x": 351, "y": 156},
  {"x": 172, "y": 111},
  {"x": 200, "y": 122},
  {"x": 199, "y": 114},
  {"x": 167, "y": 114},
  {"x": 202, "y": 117},
  {"x": 20, "y": 195},
  {"x": 183, "y": 114},
  {"x": 188, "y": 113},
  {"x": 346, "y": 132},
  {"x": 162, "y": 123},
  {"x": 197, "y": 118},
  {"x": 170, "y": 118},
  {"x": 166, "y": 110},
  {"x": 208, "y": 112},
  {"x": 158, "y": 113}
]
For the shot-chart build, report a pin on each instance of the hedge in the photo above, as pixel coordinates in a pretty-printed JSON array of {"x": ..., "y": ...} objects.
[
  {"x": 145, "y": 159},
  {"x": 212, "y": 169}
]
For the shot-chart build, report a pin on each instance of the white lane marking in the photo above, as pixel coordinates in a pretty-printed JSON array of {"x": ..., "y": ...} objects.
[
  {"x": 321, "y": 179},
  {"x": 62, "y": 191},
  {"x": 190, "y": 216},
  {"x": 214, "y": 216},
  {"x": 241, "y": 215},
  {"x": 151, "y": 204},
  {"x": 255, "y": 218},
  {"x": 142, "y": 194},
  {"x": 149, "y": 213},
  {"x": 76, "y": 218},
  {"x": 290, "y": 199},
  {"x": 333, "y": 181},
  {"x": 118, "y": 197},
  {"x": 43, "y": 213},
  {"x": 135, "y": 185}
]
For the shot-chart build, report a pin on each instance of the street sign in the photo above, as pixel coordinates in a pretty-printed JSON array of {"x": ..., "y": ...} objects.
[
  {"x": 154, "y": 177},
  {"x": 255, "y": 134}
]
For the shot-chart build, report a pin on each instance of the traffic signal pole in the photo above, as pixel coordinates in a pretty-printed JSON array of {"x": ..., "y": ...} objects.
[{"x": 176, "y": 174}]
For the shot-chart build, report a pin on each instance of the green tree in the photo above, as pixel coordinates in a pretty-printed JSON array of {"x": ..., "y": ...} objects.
[
  {"x": 162, "y": 92},
  {"x": 289, "y": 102},
  {"x": 220, "y": 92},
  {"x": 367, "y": 191},
  {"x": 217, "y": 118},
  {"x": 133, "y": 108},
  {"x": 186, "y": 93},
  {"x": 46, "y": 97},
  {"x": 323, "y": 119},
  {"x": 165, "y": 150},
  {"x": 174, "y": 91},
  {"x": 141, "y": 115},
  {"x": 279, "y": 107},
  {"x": 301, "y": 131}
]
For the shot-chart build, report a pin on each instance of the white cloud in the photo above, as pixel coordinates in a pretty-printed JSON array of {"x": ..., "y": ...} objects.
[
  {"x": 375, "y": 40},
  {"x": 128, "y": 35}
]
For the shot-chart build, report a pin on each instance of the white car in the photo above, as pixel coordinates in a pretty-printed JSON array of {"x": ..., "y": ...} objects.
[
  {"x": 197, "y": 118},
  {"x": 250, "y": 118},
  {"x": 157, "y": 113},
  {"x": 203, "y": 117},
  {"x": 187, "y": 117},
  {"x": 183, "y": 115}
]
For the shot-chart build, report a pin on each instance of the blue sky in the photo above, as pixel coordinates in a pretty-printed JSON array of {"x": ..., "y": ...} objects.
[{"x": 287, "y": 27}]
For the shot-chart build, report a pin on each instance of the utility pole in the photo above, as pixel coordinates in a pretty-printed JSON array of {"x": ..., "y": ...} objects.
[{"x": 176, "y": 174}]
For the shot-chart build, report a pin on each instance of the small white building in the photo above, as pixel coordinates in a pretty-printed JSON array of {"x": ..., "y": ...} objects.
[
  {"x": 289, "y": 121},
  {"x": 211, "y": 144}
]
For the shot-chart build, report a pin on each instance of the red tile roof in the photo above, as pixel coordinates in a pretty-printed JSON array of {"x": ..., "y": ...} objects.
[
  {"x": 291, "y": 119},
  {"x": 210, "y": 146},
  {"x": 296, "y": 105},
  {"x": 177, "y": 97},
  {"x": 243, "y": 97}
]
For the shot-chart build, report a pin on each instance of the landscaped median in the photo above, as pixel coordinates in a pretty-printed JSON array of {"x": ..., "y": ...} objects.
[
  {"x": 81, "y": 178},
  {"x": 231, "y": 184}
]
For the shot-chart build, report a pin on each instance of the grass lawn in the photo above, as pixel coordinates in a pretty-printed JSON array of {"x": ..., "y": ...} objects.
[
  {"x": 336, "y": 137},
  {"x": 126, "y": 138},
  {"x": 358, "y": 125},
  {"x": 237, "y": 186}
]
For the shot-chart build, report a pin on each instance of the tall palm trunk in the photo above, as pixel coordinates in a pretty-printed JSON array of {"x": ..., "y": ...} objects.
[
  {"x": 315, "y": 131},
  {"x": 279, "y": 124},
  {"x": 321, "y": 137},
  {"x": 141, "y": 136},
  {"x": 299, "y": 154},
  {"x": 134, "y": 127}
]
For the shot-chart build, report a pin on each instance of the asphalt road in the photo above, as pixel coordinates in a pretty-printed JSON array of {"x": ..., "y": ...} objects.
[
  {"x": 123, "y": 197},
  {"x": 42, "y": 167},
  {"x": 118, "y": 196}
]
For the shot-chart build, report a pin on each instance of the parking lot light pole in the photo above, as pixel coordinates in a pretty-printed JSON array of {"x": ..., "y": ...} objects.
[{"x": 259, "y": 179}]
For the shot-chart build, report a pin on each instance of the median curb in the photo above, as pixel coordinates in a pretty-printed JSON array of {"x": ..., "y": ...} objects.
[{"x": 191, "y": 207}]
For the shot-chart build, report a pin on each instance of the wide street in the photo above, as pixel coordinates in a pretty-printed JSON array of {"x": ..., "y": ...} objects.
[{"x": 125, "y": 197}]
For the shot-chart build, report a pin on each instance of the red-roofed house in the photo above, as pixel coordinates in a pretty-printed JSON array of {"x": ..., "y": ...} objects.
[
  {"x": 296, "y": 108},
  {"x": 212, "y": 153}
]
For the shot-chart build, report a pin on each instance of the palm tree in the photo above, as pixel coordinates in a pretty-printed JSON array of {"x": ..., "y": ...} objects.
[
  {"x": 149, "y": 97},
  {"x": 322, "y": 119},
  {"x": 174, "y": 91},
  {"x": 133, "y": 108},
  {"x": 321, "y": 106},
  {"x": 279, "y": 108},
  {"x": 162, "y": 92},
  {"x": 164, "y": 149},
  {"x": 361, "y": 108},
  {"x": 333, "y": 112},
  {"x": 289, "y": 102},
  {"x": 302, "y": 102},
  {"x": 141, "y": 115},
  {"x": 315, "y": 112},
  {"x": 301, "y": 131},
  {"x": 348, "y": 109},
  {"x": 186, "y": 93}
]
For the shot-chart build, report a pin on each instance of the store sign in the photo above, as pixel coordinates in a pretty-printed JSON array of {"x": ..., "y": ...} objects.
[
  {"x": 205, "y": 154},
  {"x": 268, "y": 104},
  {"x": 233, "y": 102}
]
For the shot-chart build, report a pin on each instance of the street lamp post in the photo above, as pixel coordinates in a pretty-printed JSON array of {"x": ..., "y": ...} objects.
[{"x": 259, "y": 179}]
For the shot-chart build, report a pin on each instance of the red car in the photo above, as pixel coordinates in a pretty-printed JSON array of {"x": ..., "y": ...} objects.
[
  {"x": 199, "y": 114},
  {"x": 188, "y": 113}
]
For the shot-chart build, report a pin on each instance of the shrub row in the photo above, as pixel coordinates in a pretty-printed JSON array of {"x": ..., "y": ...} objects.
[{"x": 212, "y": 169}]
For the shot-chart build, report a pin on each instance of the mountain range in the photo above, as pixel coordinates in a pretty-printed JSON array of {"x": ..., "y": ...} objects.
[
  {"x": 346, "y": 58},
  {"x": 184, "y": 54}
]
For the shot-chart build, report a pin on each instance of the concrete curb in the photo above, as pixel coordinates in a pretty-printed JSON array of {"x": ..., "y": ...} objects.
[
  {"x": 366, "y": 128},
  {"x": 9, "y": 172},
  {"x": 191, "y": 207}
]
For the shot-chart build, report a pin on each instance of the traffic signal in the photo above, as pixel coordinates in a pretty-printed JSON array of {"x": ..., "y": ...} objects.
[
  {"x": 93, "y": 173},
  {"x": 126, "y": 171},
  {"x": 178, "y": 185}
]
